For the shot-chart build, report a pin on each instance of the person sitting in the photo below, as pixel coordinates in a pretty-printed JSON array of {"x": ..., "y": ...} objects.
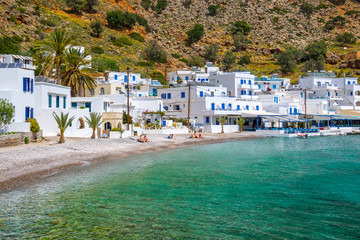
[
  {"x": 172, "y": 136},
  {"x": 200, "y": 136},
  {"x": 145, "y": 139},
  {"x": 141, "y": 139}
]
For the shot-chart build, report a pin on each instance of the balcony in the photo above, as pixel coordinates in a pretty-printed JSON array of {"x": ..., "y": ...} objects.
[{"x": 249, "y": 98}]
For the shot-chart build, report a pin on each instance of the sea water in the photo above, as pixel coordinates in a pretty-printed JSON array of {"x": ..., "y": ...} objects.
[{"x": 273, "y": 188}]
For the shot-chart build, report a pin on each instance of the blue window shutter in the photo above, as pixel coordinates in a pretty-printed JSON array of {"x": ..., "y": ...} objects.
[
  {"x": 125, "y": 78},
  {"x": 274, "y": 86},
  {"x": 169, "y": 96},
  {"x": 213, "y": 106},
  {"x": 238, "y": 107},
  {"x": 115, "y": 77},
  {"x": 290, "y": 111},
  {"x": 250, "y": 93},
  {"x": 201, "y": 93},
  {"x": 64, "y": 99},
  {"x": 32, "y": 113},
  {"x": 160, "y": 107},
  {"x": 50, "y": 101},
  {"x": 257, "y": 108},
  {"x": 27, "y": 112},
  {"x": 207, "y": 119},
  {"x": 249, "y": 82},
  {"x": 32, "y": 85},
  {"x": 247, "y": 107},
  {"x": 24, "y": 84},
  {"x": 223, "y": 106},
  {"x": 182, "y": 94},
  {"x": 133, "y": 78},
  {"x": 57, "y": 101},
  {"x": 230, "y": 106}
]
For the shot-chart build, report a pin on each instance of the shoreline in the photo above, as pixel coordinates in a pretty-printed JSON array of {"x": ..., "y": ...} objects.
[{"x": 62, "y": 157}]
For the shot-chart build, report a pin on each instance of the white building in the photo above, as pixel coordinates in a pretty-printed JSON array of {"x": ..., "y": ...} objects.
[
  {"x": 17, "y": 86},
  {"x": 200, "y": 75},
  {"x": 272, "y": 84},
  {"x": 17, "y": 61},
  {"x": 50, "y": 98}
]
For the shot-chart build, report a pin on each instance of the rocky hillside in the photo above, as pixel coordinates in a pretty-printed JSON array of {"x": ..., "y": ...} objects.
[{"x": 275, "y": 24}]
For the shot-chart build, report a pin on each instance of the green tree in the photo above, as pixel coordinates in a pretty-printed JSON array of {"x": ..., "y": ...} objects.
[
  {"x": 213, "y": 9},
  {"x": 102, "y": 64},
  {"x": 345, "y": 38},
  {"x": 161, "y": 5},
  {"x": 63, "y": 121},
  {"x": 211, "y": 52},
  {"x": 244, "y": 60},
  {"x": 50, "y": 52},
  {"x": 229, "y": 60},
  {"x": 9, "y": 46},
  {"x": 91, "y": 4},
  {"x": 240, "y": 42},
  {"x": 222, "y": 121},
  {"x": 196, "y": 61},
  {"x": 307, "y": 9},
  {"x": 288, "y": 59},
  {"x": 7, "y": 112},
  {"x": 329, "y": 25},
  {"x": 94, "y": 122},
  {"x": 311, "y": 65},
  {"x": 125, "y": 118},
  {"x": 241, "y": 27},
  {"x": 154, "y": 52},
  {"x": 77, "y": 73},
  {"x": 97, "y": 27},
  {"x": 339, "y": 21},
  {"x": 195, "y": 34},
  {"x": 187, "y": 3},
  {"x": 316, "y": 50},
  {"x": 337, "y": 2},
  {"x": 146, "y": 4},
  {"x": 76, "y": 5},
  {"x": 240, "y": 121},
  {"x": 121, "y": 20}
]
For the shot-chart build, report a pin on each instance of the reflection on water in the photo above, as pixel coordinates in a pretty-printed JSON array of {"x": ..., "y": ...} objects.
[{"x": 263, "y": 188}]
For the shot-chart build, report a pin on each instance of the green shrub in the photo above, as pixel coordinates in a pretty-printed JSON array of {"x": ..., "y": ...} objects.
[
  {"x": 97, "y": 50},
  {"x": 321, "y": 6},
  {"x": 353, "y": 12},
  {"x": 47, "y": 22},
  {"x": 307, "y": 9},
  {"x": 146, "y": 4},
  {"x": 156, "y": 75},
  {"x": 211, "y": 52},
  {"x": 136, "y": 36},
  {"x": 154, "y": 52},
  {"x": 241, "y": 27},
  {"x": 21, "y": 10},
  {"x": 143, "y": 22},
  {"x": 121, "y": 20},
  {"x": 122, "y": 41},
  {"x": 196, "y": 61},
  {"x": 240, "y": 42},
  {"x": 26, "y": 140},
  {"x": 329, "y": 25},
  {"x": 288, "y": 59},
  {"x": 17, "y": 39},
  {"x": 76, "y": 5},
  {"x": 13, "y": 19},
  {"x": 279, "y": 11},
  {"x": 337, "y": 2},
  {"x": 160, "y": 5},
  {"x": 275, "y": 20},
  {"x": 213, "y": 9},
  {"x": 34, "y": 126},
  {"x": 175, "y": 55},
  {"x": 244, "y": 60},
  {"x": 228, "y": 60},
  {"x": 184, "y": 60},
  {"x": 187, "y": 3},
  {"x": 316, "y": 51},
  {"x": 97, "y": 27},
  {"x": 102, "y": 64},
  {"x": 339, "y": 21},
  {"x": 145, "y": 64},
  {"x": 7, "y": 46},
  {"x": 195, "y": 34},
  {"x": 346, "y": 38}
]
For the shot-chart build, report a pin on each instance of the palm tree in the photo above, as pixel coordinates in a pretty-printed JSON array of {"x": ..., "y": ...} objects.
[
  {"x": 63, "y": 121},
  {"x": 94, "y": 122},
  {"x": 222, "y": 121},
  {"x": 51, "y": 51},
  {"x": 240, "y": 121},
  {"x": 77, "y": 73}
]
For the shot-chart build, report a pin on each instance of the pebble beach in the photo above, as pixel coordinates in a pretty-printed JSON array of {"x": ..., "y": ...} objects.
[{"x": 27, "y": 163}]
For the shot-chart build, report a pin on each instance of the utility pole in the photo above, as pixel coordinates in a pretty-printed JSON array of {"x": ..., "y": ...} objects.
[
  {"x": 305, "y": 104},
  {"x": 165, "y": 74},
  {"x": 128, "y": 99},
  {"x": 188, "y": 123}
]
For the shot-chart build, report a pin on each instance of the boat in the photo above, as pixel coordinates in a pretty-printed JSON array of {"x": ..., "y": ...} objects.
[{"x": 302, "y": 135}]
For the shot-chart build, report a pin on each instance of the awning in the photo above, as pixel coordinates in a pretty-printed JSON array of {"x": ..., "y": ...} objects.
[{"x": 283, "y": 118}]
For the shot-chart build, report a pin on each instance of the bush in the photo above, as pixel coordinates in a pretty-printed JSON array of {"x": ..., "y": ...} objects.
[
  {"x": 17, "y": 39},
  {"x": 316, "y": 51},
  {"x": 34, "y": 126},
  {"x": 91, "y": 4},
  {"x": 122, "y": 41},
  {"x": 288, "y": 59},
  {"x": 337, "y": 2},
  {"x": 353, "y": 12},
  {"x": 229, "y": 60},
  {"x": 103, "y": 64},
  {"x": 121, "y": 20},
  {"x": 146, "y": 4},
  {"x": 240, "y": 42},
  {"x": 195, "y": 34},
  {"x": 160, "y": 5},
  {"x": 346, "y": 38},
  {"x": 13, "y": 19},
  {"x": 21, "y": 10},
  {"x": 154, "y": 52},
  {"x": 241, "y": 27},
  {"x": 145, "y": 64},
  {"x": 307, "y": 9},
  {"x": 76, "y": 5},
  {"x": 211, "y": 52},
  {"x": 196, "y": 61},
  {"x": 156, "y": 75},
  {"x": 136, "y": 36},
  {"x": 97, "y": 50},
  {"x": 244, "y": 60},
  {"x": 26, "y": 140},
  {"x": 97, "y": 27},
  {"x": 339, "y": 21},
  {"x": 47, "y": 22},
  {"x": 184, "y": 60},
  {"x": 329, "y": 25},
  {"x": 175, "y": 55},
  {"x": 213, "y": 9},
  {"x": 187, "y": 3},
  {"x": 143, "y": 22},
  {"x": 7, "y": 46},
  {"x": 312, "y": 65},
  {"x": 320, "y": 6}
]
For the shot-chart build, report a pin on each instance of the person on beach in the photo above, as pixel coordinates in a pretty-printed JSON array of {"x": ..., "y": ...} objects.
[
  {"x": 171, "y": 136},
  {"x": 194, "y": 135},
  {"x": 145, "y": 139},
  {"x": 200, "y": 136}
]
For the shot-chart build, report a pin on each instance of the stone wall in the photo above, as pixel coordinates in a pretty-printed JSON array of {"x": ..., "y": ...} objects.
[{"x": 17, "y": 138}]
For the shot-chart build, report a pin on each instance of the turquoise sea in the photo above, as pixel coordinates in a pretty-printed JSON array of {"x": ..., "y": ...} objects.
[{"x": 273, "y": 188}]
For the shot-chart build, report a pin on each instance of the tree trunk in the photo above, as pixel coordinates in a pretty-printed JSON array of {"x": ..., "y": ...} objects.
[
  {"x": 62, "y": 138},
  {"x": 58, "y": 73},
  {"x": 241, "y": 128},
  {"x": 222, "y": 128},
  {"x": 93, "y": 135}
]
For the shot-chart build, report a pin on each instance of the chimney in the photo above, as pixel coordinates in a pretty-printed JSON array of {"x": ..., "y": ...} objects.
[{"x": 106, "y": 75}]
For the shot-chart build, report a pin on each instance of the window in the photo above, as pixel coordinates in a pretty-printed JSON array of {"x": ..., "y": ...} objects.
[
  {"x": 102, "y": 91},
  {"x": 133, "y": 78},
  {"x": 274, "y": 86},
  {"x": 17, "y": 60},
  {"x": 166, "y": 108},
  {"x": 28, "y": 85},
  {"x": 207, "y": 119},
  {"x": 27, "y": 62},
  {"x": 160, "y": 108},
  {"x": 230, "y": 105},
  {"x": 27, "y": 113},
  {"x": 247, "y": 107},
  {"x": 125, "y": 78},
  {"x": 259, "y": 86},
  {"x": 50, "y": 101},
  {"x": 169, "y": 95},
  {"x": 57, "y": 101},
  {"x": 319, "y": 84},
  {"x": 257, "y": 108},
  {"x": 201, "y": 94},
  {"x": 348, "y": 82},
  {"x": 105, "y": 107},
  {"x": 31, "y": 113},
  {"x": 276, "y": 99},
  {"x": 186, "y": 78},
  {"x": 295, "y": 111},
  {"x": 213, "y": 106},
  {"x": 329, "y": 94},
  {"x": 64, "y": 102},
  {"x": 249, "y": 82},
  {"x": 223, "y": 106},
  {"x": 351, "y": 93},
  {"x": 238, "y": 107},
  {"x": 176, "y": 107},
  {"x": 163, "y": 96},
  {"x": 115, "y": 77},
  {"x": 250, "y": 93},
  {"x": 241, "y": 81},
  {"x": 336, "y": 94},
  {"x": 182, "y": 94},
  {"x": 290, "y": 111},
  {"x": 92, "y": 92},
  {"x": 74, "y": 105}
]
